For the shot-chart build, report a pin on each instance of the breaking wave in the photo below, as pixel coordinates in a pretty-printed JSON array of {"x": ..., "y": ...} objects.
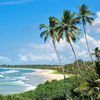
[{"x": 10, "y": 71}]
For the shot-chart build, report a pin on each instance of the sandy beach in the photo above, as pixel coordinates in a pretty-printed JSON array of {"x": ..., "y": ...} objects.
[{"x": 51, "y": 74}]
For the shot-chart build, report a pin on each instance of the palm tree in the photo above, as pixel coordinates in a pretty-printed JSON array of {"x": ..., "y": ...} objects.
[
  {"x": 50, "y": 31},
  {"x": 67, "y": 28},
  {"x": 90, "y": 88},
  {"x": 85, "y": 16}
]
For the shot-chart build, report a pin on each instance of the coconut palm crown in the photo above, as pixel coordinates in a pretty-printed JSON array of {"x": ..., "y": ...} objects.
[
  {"x": 85, "y": 16},
  {"x": 50, "y": 31},
  {"x": 68, "y": 29}
]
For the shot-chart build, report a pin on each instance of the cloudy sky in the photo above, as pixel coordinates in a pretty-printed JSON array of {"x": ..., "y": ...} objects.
[{"x": 20, "y": 41}]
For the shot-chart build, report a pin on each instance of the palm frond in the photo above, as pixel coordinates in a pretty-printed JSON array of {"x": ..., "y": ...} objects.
[
  {"x": 82, "y": 87},
  {"x": 43, "y": 33},
  {"x": 89, "y": 20},
  {"x": 67, "y": 38},
  {"x": 53, "y": 22},
  {"x": 43, "y": 26},
  {"x": 59, "y": 35},
  {"x": 46, "y": 37},
  {"x": 66, "y": 16},
  {"x": 76, "y": 20},
  {"x": 85, "y": 14}
]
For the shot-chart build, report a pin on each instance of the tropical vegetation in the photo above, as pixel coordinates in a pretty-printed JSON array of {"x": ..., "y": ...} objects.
[{"x": 77, "y": 89}]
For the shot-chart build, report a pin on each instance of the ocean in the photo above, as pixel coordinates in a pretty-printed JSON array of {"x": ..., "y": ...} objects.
[{"x": 18, "y": 80}]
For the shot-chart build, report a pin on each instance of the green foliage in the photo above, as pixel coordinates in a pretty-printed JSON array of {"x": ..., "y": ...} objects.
[
  {"x": 49, "y": 91},
  {"x": 90, "y": 88},
  {"x": 30, "y": 66},
  {"x": 23, "y": 96},
  {"x": 97, "y": 68},
  {"x": 2, "y": 97},
  {"x": 54, "y": 90}
]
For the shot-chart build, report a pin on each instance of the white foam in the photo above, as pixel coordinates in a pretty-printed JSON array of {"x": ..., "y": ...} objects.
[
  {"x": 10, "y": 71},
  {"x": 19, "y": 82},
  {"x": 32, "y": 73},
  {"x": 1, "y": 76},
  {"x": 22, "y": 78},
  {"x": 27, "y": 86},
  {"x": 16, "y": 83},
  {"x": 30, "y": 88}
]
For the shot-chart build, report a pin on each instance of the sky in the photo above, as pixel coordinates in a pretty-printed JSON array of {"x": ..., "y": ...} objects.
[{"x": 20, "y": 41}]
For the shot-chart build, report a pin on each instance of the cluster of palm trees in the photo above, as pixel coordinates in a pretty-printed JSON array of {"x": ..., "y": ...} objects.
[{"x": 67, "y": 27}]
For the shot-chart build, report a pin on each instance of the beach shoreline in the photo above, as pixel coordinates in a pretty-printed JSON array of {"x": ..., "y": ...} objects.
[{"x": 47, "y": 73}]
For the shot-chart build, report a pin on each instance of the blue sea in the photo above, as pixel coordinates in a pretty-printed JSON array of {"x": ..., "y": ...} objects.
[{"x": 18, "y": 80}]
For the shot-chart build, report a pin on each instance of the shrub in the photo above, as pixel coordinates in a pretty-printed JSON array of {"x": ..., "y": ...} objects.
[
  {"x": 2, "y": 97},
  {"x": 54, "y": 90}
]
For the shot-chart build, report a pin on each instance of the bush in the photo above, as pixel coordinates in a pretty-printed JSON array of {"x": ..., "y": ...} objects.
[
  {"x": 54, "y": 90},
  {"x": 2, "y": 97}
]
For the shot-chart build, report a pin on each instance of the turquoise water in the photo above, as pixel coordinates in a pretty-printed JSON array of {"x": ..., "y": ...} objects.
[{"x": 18, "y": 80}]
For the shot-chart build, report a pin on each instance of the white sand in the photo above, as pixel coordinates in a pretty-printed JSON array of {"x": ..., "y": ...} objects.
[{"x": 50, "y": 74}]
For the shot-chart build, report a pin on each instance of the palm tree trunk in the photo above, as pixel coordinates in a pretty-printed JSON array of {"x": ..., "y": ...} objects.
[
  {"x": 87, "y": 42},
  {"x": 56, "y": 51},
  {"x": 75, "y": 57},
  {"x": 58, "y": 58},
  {"x": 63, "y": 71}
]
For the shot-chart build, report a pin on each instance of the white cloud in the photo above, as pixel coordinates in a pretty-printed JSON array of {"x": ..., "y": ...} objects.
[
  {"x": 5, "y": 60},
  {"x": 45, "y": 54},
  {"x": 40, "y": 53},
  {"x": 98, "y": 13},
  {"x": 95, "y": 28},
  {"x": 91, "y": 41},
  {"x": 15, "y": 2},
  {"x": 32, "y": 57}
]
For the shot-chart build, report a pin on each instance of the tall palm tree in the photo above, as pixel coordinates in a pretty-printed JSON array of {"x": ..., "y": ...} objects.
[
  {"x": 50, "y": 31},
  {"x": 67, "y": 28},
  {"x": 85, "y": 16}
]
